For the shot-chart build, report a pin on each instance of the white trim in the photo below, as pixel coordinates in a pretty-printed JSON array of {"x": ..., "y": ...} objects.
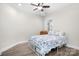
[
  {"x": 73, "y": 46},
  {"x": 6, "y": 48}
]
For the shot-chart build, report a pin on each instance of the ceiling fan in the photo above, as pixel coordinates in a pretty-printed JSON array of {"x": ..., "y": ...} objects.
[{"x": 40, "y": 6}]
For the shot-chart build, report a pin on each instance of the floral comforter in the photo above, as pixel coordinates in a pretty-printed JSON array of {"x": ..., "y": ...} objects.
[{"x": 44, "y": 43}]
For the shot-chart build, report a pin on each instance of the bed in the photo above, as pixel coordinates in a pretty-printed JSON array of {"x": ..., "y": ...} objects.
[{"x": 42, "y": 44}]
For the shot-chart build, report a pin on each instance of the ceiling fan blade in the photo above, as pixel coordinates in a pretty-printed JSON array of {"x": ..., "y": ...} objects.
[
  {"x": 34, "y": 4},
  {"x": 35, "y": 9},
  {"x": 38, "y": 4},
  {"x": 45, "y": 6},
  {"x": 42, "y": 4}
]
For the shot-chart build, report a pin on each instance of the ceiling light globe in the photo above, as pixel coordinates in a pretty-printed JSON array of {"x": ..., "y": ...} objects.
[{"x": 19, "y": 4}]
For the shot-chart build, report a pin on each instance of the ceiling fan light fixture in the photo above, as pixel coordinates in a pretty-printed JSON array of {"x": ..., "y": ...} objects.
[{"x": 39, "y": 8}]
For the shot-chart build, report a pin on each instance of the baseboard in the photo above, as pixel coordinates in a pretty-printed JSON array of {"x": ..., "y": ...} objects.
[
  {"x": 73, "y": 46},
  {"x": 6, "y": 48}
]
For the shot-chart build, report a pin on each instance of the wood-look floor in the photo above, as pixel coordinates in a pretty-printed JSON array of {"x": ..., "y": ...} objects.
[{"x": 24, "y": 50}]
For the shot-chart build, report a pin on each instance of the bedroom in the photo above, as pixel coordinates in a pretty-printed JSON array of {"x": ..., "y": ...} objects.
[{"x": 19, "y": 22}]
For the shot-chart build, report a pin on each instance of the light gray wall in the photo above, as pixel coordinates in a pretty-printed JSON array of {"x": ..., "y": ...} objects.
[
  {"x": 16, "y": 26},
  {"x": 67, "y": 20}
]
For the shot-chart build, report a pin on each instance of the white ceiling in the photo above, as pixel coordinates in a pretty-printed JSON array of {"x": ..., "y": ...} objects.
[{"x": 27, "y": 8}]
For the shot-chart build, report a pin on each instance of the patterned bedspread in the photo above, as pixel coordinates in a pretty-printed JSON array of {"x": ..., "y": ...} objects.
[{"x": 44, "y": 43}]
